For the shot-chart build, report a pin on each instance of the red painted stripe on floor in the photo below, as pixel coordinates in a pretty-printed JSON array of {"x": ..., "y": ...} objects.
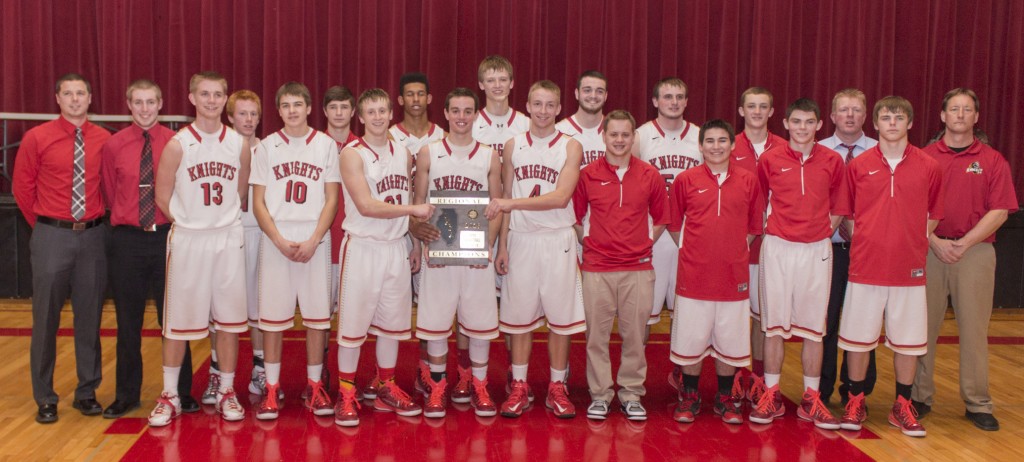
[{"x": 127, "y": 426}]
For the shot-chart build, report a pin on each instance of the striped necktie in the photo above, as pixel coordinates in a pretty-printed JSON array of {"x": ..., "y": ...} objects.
[
  {"x": 844, "y": 232},
  {"x": 146, "y": 199},
  {"x": 78, "y": 179}
]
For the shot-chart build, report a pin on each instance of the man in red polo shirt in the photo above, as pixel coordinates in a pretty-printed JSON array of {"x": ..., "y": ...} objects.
[
  {"x": 138, "y": 245},
  {"x": 756, "y": 106},
  {"x": 721, "y": 206},
  {"x": 803, "y": 182},
  {"x": 961, "y": 260},
  {"x": 894, "y": 193},
  {"x": 57, "y": 185},
  {"x": 620, "y": 192}
]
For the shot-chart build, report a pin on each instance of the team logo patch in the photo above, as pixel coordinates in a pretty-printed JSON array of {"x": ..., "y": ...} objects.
[
  {"x": 742, "y": 287},
  {"x": 917, "y": 273},
  {"x": 974, "y": 168}
]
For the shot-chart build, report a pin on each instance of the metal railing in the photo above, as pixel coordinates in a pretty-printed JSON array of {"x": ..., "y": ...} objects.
[{"x": 173, "y": 121}]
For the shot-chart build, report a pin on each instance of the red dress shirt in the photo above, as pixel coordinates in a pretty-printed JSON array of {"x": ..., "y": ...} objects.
[
  {"x": 44, "y": 168},
  {"x": 121, "y": 156}
]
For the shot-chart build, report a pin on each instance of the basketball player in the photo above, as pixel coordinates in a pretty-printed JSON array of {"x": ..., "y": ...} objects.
[
  {"x": 537, "y": 248},
  {"x": 586, "y": 125},
  {"x": 756, "y": 106},
  {"x": 803, "y": 182},
  {"x": 497, "y": 122},
  {"x": 339, "y": 107},
  {"x": 462, "y": 164},
  {"x": 721, "y": 207},
  {"x": 670, "y": 144},
  {"x": 375, "y": 295},
  {"x": 244, "y": 111},
  {"x": 894, "y": 194},
  {"x": 295, "y": 191},
  {"x": 201, "y": 185},
  {"x": 415, "y": 130}
]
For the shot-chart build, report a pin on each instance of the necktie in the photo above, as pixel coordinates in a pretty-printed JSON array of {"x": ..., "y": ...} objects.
[
  {"x": 844, "y": 232},
  {"x": 146, "y": 199},
  {"x": 78, "y": 178}
]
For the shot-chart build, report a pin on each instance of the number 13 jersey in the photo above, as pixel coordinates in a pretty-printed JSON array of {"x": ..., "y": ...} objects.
[{"x": 206, "y": 183}]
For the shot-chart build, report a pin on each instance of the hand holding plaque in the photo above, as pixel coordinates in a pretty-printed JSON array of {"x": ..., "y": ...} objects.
[{"x": 459, "y": 216}]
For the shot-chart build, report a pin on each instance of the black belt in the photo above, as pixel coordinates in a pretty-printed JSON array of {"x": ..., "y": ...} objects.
[
  {"x": 842, "y": 245},
  {"x": 149, "y": 229},
  {"x": 72, "y": 225},
  {"x": 949, "y": 238}
]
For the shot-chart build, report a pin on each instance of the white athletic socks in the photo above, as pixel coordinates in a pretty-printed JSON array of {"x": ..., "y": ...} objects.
[
  {"x": 273, "y": 373},
  {"x": 171, "y": 380},
  {"x": 771, "y": 380},
  {"x": 811, "y": 382},
  {"x": 480, "y": 373},
  {"x": 227, "y": 381},
  {"x": 313, "y": 371},
  {"x": 519, "y": 371},
  {"x": 479, "y": 350},
  {"x": 558, "y": 375},
  {"x": 387, "y": 352}
]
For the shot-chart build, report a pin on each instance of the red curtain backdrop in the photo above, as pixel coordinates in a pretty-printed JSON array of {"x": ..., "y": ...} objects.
[{"x": 918, "y": 49}]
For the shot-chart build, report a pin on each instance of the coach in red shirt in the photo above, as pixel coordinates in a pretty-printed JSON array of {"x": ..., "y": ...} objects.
[
  {"x": 622, "y": 195},
  {"x": 138, "y": 244},
  {"x": 961, "y": 258},
  {"x": 57, "y": 186}
]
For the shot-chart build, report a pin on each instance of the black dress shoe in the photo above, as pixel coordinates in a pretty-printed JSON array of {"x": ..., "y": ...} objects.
[
  {"x": 87, "y": 406},
  {"x": 983, "y": 420},
  {"x": 188, "y": 404},
  {"x": 119, "y": 408},
  {"x": 47, "y": 414},
  {"x": 921, "y": 408}
]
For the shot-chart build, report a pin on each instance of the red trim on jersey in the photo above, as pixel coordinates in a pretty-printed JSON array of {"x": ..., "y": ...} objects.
[
  {"x": 312, "y": 134},
  {"x": 473, "y": 152},
  {"x": 428, "y": 331},
  {"x": 448, "y": 148},
  {"x": 353, "y": 339},
  {"x": 375, "y": 155},
  {"x": 405, "y": 331},
  {"x": 686, "y": 129},
  {"x": 223, "y": 133},
  {"x": 463, "y": 328},
  {"x": 510, "y": 118},
  {"x": 189, "y": 331},
  {"x": 272, "y": 321},
  {"x": 529, "y": 139},
  {"x": 574, "y": 124},
  {"x": 282, "y": 135},
  {"x": 433, "y": 127},
  {"x": 488, "y": 119},
  {"x": 402, "y": 129},
  {"x": 557, "y": 136},
  {"x": 851, "y": 342},
  {"x": 194, "y": 132}
]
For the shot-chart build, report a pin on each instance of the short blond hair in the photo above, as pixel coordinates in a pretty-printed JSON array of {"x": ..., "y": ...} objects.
[
  {"x": 373, "y": 94},
  {"x": 193, "y": 83},
  {"x": 849, "y": 93},
  {"x": 143, "y": 84},
  {"x": 494, "y": 63},
  {"x": 545, "y": 85}
]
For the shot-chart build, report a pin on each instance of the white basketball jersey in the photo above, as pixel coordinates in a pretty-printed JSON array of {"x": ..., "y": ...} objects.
[
  {"x": 387, "y": 175},
  {"x": 669, "y": 152},
  {"x": 536, "y": 164},
  {"x": 494, "y": 130},
  {"x": 459, "y": 168},
  {"x": 590, "y": 138},
  {"x": 294, "y": 171},
  {"x": 206, "y": 184},
  {"x": 248, "y": 218},
  {"x": 411, "y": 142}
]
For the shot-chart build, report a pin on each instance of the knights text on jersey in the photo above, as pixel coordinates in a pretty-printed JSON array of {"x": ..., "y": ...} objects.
[
  {"x": 536, "y": 164},
  {"x": 590, "y": 138},
  {"x": 386, "y": 171},
  {"x": 459, "y": 168},
  {"x": 206, "y": 184},
  {"x": 669, "y": 152},
  {"x": 294, "y": 171}
]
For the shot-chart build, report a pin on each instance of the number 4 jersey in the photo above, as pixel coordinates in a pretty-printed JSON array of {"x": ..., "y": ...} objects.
[
  {"x": 206, "y": 183},
  {"x": 294, "y": 171}
]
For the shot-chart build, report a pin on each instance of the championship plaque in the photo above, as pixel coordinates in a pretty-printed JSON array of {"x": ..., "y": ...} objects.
[{"x": 459, "y": 216}]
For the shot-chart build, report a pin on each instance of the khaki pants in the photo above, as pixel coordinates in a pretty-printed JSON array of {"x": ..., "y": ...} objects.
[
  {"x": 970, "y": 284},
  {"x": 627, "y": 295}
]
